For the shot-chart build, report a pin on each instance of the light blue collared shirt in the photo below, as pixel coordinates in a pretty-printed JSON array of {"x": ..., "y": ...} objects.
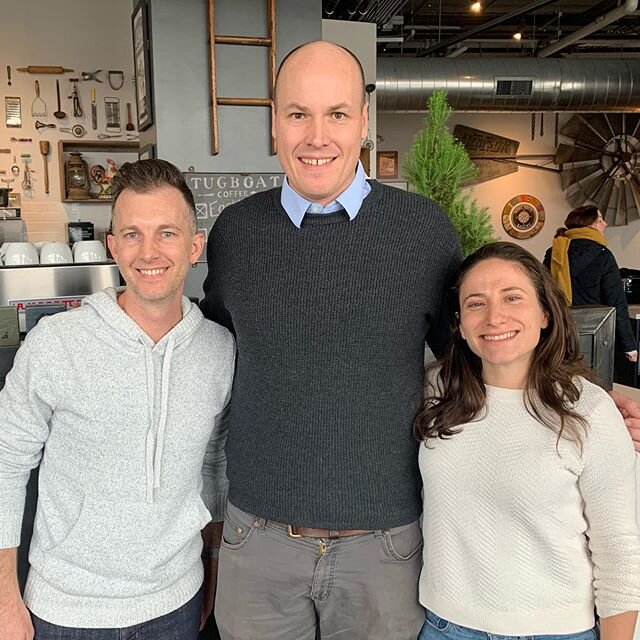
[{"x": 350, "y": 199}]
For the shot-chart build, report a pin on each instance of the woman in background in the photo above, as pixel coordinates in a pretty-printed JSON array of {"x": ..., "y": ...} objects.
[
  {"x": 587, "y": 271},
  {"x": 528, "y": 469}
]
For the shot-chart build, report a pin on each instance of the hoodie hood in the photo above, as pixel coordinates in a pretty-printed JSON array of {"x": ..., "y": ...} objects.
[{"x": 158, "y": 361}]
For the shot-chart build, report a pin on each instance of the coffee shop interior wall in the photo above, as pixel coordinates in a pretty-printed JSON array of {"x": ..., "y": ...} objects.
[
  {"x": 396, "y": 131},
  {"x": 84, "y": 35}
]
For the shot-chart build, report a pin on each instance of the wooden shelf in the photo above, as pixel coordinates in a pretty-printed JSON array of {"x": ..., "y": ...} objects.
[{"x": 111, "y": 146}]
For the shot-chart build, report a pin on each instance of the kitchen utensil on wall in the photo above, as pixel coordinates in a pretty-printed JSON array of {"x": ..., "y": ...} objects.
[
  {"x": 14, "y": 139},
  {"x": 115, "y": 79},
  {"x": 38, "y": 106},
  {"x": 27, "y": 185},
  {"x": 91, "y": 75},
  {"x": 94, "y": 109},
  {"x": 78, "y": 131},
  {"x": 44, "y": 150},
  {"x": 112, "y": 114},
  {"x": 12, "y": 112},
  {"x": 75, "y": 98},
  {"x": 106, "y": 136},
  {"x": 43, "y": 125},
  {"x": 5, "y": 150},
  {"x": 44, "y": 69},
  {"x": 15, "y": 168},
  {"x": 60, "y": 114},
  {"x": 9, "y": 75},
  {"x": 129, "y": 126}
]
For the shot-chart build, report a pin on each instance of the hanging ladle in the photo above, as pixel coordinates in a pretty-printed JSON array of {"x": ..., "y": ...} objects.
[
  {"x": 59, "y": 113},
  {"x": 15, "y": 169}
]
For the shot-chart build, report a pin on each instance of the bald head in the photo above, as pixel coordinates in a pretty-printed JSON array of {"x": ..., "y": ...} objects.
[{"x": 321, "y": 54}]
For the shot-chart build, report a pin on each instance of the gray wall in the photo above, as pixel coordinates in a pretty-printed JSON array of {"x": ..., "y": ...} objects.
[
  {"x": 180, "y": 69},
  {"x": 181, "y": 79}
]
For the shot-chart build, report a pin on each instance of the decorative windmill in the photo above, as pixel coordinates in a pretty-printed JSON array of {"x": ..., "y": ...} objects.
[{"x": 602, "y": 165}]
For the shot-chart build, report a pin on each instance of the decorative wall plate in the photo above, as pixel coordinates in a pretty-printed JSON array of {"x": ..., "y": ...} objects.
[{"x": 523, "y": 217}]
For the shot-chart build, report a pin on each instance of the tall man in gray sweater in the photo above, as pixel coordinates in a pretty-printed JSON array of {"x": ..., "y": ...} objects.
[
  {"x": 331, "y": 285},
  {"x": 107, "y": 398}
]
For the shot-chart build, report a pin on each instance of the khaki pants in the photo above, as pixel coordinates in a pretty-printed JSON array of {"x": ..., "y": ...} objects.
[{"x": 275, "y": 587}]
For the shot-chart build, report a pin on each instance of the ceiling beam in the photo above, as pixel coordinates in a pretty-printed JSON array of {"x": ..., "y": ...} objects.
[{"x": 445, "y": 44}]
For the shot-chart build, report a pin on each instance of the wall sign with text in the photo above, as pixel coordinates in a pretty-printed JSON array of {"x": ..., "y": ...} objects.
[{"x": 215, "y": 191}]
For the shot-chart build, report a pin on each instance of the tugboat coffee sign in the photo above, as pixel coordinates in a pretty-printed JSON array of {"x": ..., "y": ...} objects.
[{"x": 215, "y": 191}]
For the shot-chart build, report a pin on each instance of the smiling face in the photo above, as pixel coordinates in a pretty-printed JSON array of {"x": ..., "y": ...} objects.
[
  {"x": 319, "y": 119},
  {"x": 154, "y": 244},
  {"x": 501, "y": 320}
]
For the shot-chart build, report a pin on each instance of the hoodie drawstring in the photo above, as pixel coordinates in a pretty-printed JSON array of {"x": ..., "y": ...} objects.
[
  {"x": 156, "y": 431},
  {"x": 164, "y": 407}
]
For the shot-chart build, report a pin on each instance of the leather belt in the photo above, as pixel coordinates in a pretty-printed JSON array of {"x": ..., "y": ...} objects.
[{"x": 309, "y": 532}]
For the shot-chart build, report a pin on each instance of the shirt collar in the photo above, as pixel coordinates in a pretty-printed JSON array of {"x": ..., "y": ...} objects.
[{"x": 350, "y": 199}]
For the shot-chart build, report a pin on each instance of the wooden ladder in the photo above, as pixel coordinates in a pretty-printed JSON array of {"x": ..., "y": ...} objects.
[{"x": 269, "y": 42}]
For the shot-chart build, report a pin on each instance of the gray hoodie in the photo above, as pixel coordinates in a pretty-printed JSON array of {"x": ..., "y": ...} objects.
[{"x": 120, "y": 427}]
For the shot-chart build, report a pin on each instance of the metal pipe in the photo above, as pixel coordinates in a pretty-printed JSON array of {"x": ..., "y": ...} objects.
[
  {"x": 558, "y": 84},
  {"x": 538, "y": 4},
  {"x": 624, "y": 10}
]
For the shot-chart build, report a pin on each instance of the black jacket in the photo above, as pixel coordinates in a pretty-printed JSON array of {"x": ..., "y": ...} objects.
[{"x": 595, "y": 279}]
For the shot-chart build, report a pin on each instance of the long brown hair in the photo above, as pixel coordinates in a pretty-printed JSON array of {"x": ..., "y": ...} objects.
[{"x": 455, "y": 393}]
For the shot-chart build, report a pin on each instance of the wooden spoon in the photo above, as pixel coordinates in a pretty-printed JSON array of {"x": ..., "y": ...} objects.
[{"x": 44, "y": 150}]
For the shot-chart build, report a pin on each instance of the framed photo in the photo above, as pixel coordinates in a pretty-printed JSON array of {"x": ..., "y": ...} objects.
[
  {"x": 387, "y": 165},
  {"x": 142, "y": 63},
  {"x": 147, "y": 152}
]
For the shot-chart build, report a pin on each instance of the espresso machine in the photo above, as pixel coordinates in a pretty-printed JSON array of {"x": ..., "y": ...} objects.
[{"x": 11, "y": 224}]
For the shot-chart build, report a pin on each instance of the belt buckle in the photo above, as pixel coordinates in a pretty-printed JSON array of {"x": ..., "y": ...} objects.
[{"x": 291, "y": 533}]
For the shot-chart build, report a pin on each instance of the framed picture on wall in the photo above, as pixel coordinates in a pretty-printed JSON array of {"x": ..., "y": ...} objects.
[
  {"x": 387, "y": 165},
  {"x": 147, "y": 152},
  {"x": 142, "y": 63}
]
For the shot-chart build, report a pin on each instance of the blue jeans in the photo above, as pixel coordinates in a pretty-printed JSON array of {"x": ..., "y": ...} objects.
[
  {"x": 437, "y": 628},
  {"x": 181, "y": 624}
]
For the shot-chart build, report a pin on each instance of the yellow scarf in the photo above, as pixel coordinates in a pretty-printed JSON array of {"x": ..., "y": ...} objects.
[{"x": 560, "y": 270}]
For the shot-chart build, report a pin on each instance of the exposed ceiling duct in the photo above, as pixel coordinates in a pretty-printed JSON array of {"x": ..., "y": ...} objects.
[
  {"x": 509, "y": 85},
  {"x": 600, "y": 23}
]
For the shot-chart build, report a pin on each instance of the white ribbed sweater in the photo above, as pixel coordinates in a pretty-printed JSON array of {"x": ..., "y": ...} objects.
[{"x": 520, "y": 540}]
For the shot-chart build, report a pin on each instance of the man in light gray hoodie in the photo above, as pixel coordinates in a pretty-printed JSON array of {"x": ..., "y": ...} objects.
[{"x": 117, "y": 401}]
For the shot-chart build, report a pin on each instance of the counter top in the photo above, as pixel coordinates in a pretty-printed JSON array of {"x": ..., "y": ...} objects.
[{"x": 634, "y": 311}]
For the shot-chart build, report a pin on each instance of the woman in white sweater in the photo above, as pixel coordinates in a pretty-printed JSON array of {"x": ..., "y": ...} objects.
[{"x": 528, "y": 469}]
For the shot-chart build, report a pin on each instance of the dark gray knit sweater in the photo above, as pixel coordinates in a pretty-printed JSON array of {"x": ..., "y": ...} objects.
[{"x": 330, "y": 322}]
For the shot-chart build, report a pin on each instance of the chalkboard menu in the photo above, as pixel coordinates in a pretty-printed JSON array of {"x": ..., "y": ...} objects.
[{"x": 215, "y": 191}]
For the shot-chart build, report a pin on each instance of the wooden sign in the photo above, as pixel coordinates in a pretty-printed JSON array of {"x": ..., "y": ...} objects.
[{"x": 493, "y": 155}]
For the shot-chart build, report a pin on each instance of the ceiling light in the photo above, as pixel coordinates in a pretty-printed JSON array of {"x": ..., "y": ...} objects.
[
  {"x": 517, "y": 35},
  {"x": 476, "y": 7}
]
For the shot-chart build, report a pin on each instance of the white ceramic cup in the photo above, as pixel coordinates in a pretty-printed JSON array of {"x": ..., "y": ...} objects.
[
  {"x": 89, "y": 251},
  {"x": 55, "y": 253},
  {"x": 21, "y": 253}
]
